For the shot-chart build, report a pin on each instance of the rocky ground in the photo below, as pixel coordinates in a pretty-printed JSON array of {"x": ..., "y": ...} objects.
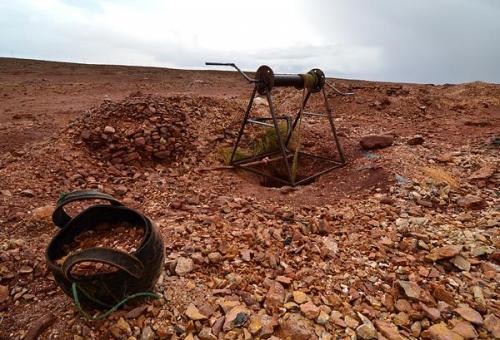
[{"x": 400, "y": 243}]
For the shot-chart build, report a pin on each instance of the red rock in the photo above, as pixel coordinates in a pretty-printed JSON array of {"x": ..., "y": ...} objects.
[
  {"x": 403, "y": 305},
  {"x": 388, "y": 330},
  {"x": 284, "y": 280},
  {"x": 366, "y": 331},
  {"x": 140, "y": 141},
  {"x": 425, "y": 203},
  {"x": 470, "y": 314},
  {"x": 275, "y": 296},
  {"x": 472, "y": 202},
  {"x": 376, "y": 141},
  {"x": 443, "y": 307},
  {"x": 388, "y": 302},
  {"x": 237, "y": 317},
  {"x": 246, "y": 255},
  {"x": 415, "y": 140},
  {"x": 441, "y": 332},
  {"x": 262, "y": 325},
  {"x": 109, "y": 129},
  {"x": 205, "y": 334},
  {"x": 432, "y": 313},
  {"x": 217, "y": 326},
  {"x": 401, "y": 319},
  {"x": 484, "y": 172},
  {"x": 300, "y": 297},
  {"x": 492, "y": 324},
  {"x": 310, "y": 310},
  {"x": 136, "y": 312},
  {"x": 227, "y": 305},
  {"x": 445, "y": 252},
  {"x": 296, "y": 327},
  {"x": 411, "y": 289},
  {"x": 465, "y": 329},
  {"x": 461, "y": 263},
  {"x": 416, "y": 329},
  {"x": 120, "y": 190},
  {"x": 39, "y": 326},
  {"x": 434, "y": 273},
  {"x": 184, "y": 266},
  {"x": 43, "y": 214},
  {"x": 194, "y": 313},
  {"x": 4, "y": 293},
  {"x": 440, "y": 293},
  {"x": 215, "y": 257},
  {"x": 27, "y": 193},
  {"x": 445, "y": 157},
  {"x": 162, "y": 154},
  {"x": 424, "y": 272},
  {"x": 333, "y": 300}
]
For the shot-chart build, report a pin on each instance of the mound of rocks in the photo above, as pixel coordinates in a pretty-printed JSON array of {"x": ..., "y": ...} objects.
[{"x": 137, "y": 129}]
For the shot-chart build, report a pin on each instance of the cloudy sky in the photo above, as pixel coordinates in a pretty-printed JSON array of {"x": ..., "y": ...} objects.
[{"x": 427, "y": 41}]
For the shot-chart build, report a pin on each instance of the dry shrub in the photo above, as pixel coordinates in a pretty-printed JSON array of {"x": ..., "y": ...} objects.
[
  {"x": 226, "y": 152},
  {"x": 441, "y": 176},
  {"x": 265, "y": 142},
  {"x": 268, "y": 142}
]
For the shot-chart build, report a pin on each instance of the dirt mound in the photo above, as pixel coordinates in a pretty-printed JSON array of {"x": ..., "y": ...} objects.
[{"x": 137, "y": 128}]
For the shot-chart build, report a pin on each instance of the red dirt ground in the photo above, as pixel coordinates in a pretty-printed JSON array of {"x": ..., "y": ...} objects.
[{"x": 41, "y": 101}]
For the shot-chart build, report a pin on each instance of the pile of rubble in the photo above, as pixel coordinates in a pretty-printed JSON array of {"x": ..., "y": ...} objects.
[{"x": 136, "y": 129}]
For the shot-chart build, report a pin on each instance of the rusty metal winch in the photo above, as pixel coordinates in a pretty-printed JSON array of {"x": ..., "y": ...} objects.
[{"x": 265, "y": 80}]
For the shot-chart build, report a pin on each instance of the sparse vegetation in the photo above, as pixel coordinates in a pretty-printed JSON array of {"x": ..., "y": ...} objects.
[
  {"x": 264, "y": 143},
  {"x": 441, "y": 176},
  {"x": 226, "y": 152}
]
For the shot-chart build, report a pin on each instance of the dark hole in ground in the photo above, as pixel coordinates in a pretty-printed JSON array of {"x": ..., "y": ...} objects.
[
  {"x": 275, "y": 183},
  {"x": 279, "y": 175}
]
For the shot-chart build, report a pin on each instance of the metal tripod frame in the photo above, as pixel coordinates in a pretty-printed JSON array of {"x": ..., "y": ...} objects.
[{"x": 283, "y": 153}]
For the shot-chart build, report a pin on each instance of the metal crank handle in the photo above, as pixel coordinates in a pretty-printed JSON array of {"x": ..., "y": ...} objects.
[
  {"x": 250, "y": 80},
  {"x": 338, "y": 91}
]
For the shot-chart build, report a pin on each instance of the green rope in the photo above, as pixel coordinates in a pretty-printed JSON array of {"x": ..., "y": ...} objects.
[
  {"x": 62, "y": 195},
  {"x": 93, "y": 299},
  {"x": 75, "y": 288}
]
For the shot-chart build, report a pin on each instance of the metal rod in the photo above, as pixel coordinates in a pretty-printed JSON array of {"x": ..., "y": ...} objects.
[
  {"x": 332, "y": 125},
  {"x": 263, "y": 161},
  {"x": 259, "y": 122},
  {"x": 270, "y": 118},
  {"x": 240, "y": 133},
  {"x": 304, "y": 102},
  {"x": 329, "y": 159},
  {"x": 278, "y": 137},
  {"x": 338, "y": 91},
  {"x": 307, "y": 179},
  {"x": 265, "y": 174},
  {"x": 254, "y": 158},
  {"x": 315, "y": 114},
  {"x": 250, "y": 80}
]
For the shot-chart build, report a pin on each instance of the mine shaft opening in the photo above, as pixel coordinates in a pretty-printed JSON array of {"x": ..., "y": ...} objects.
[
  {"x": 277, "y": 176},
  {"x": 269, "y": 182}
]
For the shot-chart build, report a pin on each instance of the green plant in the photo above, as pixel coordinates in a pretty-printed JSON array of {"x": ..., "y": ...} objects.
[
  {"x": 265, "y": 142},
  {"x": 268, "y": 141},
  {"x": 226, "y": 153}
]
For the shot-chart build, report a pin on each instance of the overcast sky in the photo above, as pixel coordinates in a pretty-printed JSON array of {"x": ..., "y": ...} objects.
[{"x": 427, "y": 41}]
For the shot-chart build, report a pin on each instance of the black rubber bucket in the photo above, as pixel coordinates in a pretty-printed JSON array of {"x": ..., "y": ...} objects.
[{"x": 136, "y": 272}]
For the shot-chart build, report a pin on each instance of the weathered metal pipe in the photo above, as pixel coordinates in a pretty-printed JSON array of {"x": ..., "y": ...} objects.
[{"x": 265, "y": 78}]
